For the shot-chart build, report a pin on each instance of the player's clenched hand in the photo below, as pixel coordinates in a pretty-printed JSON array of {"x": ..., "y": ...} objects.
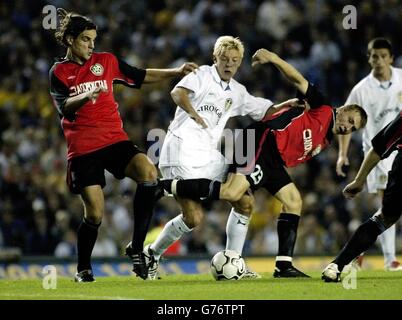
[
  {"x": 352, "y": 189},
  {"x": 199, "y": 120},
  {"x": 262, "y": 56},
  {"x": 342, "y": 161},
  {"x": 94, "y": 93},
  {"x": 187, "y": 67}
]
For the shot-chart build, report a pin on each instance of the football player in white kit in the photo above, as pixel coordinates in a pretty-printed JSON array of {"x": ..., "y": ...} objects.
[
  {"x": 206, "y": 99},
  {"x": 380, "y": 94}
]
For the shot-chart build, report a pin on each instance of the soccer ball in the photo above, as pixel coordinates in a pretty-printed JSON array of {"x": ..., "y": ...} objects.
[{"x": 227, "y": 265}]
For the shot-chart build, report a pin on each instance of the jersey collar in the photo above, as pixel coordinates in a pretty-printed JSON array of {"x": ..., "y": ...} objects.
[
  {"x": 379, "y": 84},
  {"x": 65, "y": 59}
]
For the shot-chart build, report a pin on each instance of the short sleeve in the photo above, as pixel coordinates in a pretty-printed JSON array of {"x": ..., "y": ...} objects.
[
  {"x": 314, "y": 97},
  {"x": 58, "y": 90},
  {"x": 192, "y": 82},
  {"x": 126, "y": 74},
  {"x": 255, "y": 107}
]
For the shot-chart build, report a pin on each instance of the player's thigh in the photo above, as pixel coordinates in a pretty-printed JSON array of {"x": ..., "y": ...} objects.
[
  {"x": 245, "y": 205},
  {"x": 290, "y": 198},
  {"x": 86, "y": 170},
  {"x": 192, "y": 211},
  {"x": 125, "y": 159},
  {"x": 391, "y": 204},
  {"x": 234, "y": 188},
  {"x": 94, "y": 203},
  {"x": 213, "y": 171},
  {"x": 140, "y": 168}
]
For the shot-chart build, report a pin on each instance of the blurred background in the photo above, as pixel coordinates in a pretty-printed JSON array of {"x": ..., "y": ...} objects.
[{"x": 38, "y": 216}]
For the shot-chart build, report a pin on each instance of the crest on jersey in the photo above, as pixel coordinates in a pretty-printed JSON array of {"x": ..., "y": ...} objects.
[
  {"x": 228, "y": 104},
  {"x": 97, "y": 69}
]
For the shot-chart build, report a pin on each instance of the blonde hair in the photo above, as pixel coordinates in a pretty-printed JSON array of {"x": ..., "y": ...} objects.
[
  {"x": 224, "y": 43},
  {"x": 359, "y": 110}
]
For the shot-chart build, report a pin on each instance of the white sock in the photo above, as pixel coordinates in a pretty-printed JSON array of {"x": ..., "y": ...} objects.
[
  {"x": 387, "y": 240},
  {"x": 172, "y": 231},
  {"x": 236, "y": 231}
]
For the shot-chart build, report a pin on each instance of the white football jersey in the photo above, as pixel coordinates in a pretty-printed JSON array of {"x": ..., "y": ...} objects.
[
  {"x": 186, "y": 142},
  {"x": 382, "y": 102}
]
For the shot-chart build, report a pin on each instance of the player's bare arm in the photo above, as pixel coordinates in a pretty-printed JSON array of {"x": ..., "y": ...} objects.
[
  {"x": 74, "y": 103},
  {"x": 156, "y": 75},
  {"x": 263, "y": 56},
  {"x": 369, "y": 162},
  {"x": 291, "y": 103},
  {"x": 343, "y": 160},
  {"x": 180, "y": 97}
]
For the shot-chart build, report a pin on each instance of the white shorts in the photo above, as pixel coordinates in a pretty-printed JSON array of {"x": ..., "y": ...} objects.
[
  {"x": 378, "y": 177},
  {"x": 191, "y": 159},
  {"x": 213, "y": 171}
]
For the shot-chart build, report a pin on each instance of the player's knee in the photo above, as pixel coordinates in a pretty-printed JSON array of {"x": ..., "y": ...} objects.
[
  {"x": 390, "y": 213},
  {"x": 193, "y": 218},
  {"x": 389, "y": 218},
  {"x": 293, "y": 204},
  {"x": 94, "y": 213},
  {"x": 149, "y": 173}
]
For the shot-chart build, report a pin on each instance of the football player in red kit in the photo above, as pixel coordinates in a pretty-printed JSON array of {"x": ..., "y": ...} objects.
[
  {"x": 283, "y": 140},
  {"x": 388, "y": 140},
  {"x": 81, "y": 88}
]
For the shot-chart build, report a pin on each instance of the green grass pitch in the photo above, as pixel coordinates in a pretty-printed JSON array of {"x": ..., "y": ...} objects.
[{"x": 369, "y": 285}]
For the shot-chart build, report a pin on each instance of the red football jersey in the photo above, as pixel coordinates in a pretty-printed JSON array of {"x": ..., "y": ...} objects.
[
  {"x": 301, "y": 134},
  {"x": 305, "y": 136},
  {"x": 389, "y": 138},
  {"x": 94, "y": 125}
]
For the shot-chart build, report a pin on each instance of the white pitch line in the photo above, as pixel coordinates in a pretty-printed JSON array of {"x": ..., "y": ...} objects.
[{"x": 68, "y": 296}]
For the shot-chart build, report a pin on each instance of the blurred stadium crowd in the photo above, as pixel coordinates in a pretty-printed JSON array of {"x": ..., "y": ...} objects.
[{"x": 39, "y": 215}]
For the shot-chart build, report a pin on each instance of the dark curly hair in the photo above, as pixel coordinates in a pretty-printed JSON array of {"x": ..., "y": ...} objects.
[{"x": 71, "y": 24}]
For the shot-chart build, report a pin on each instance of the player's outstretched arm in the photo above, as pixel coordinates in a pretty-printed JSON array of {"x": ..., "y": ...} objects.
[
  {"x": 369, "y": 162},
  {"x": 295, "y": 102},
  {"x": 262, "y": 56},
  {"x": 343, "y": 160},
  {"x": 180, "y": 97},
  {"x": 156, "y": 75}
]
